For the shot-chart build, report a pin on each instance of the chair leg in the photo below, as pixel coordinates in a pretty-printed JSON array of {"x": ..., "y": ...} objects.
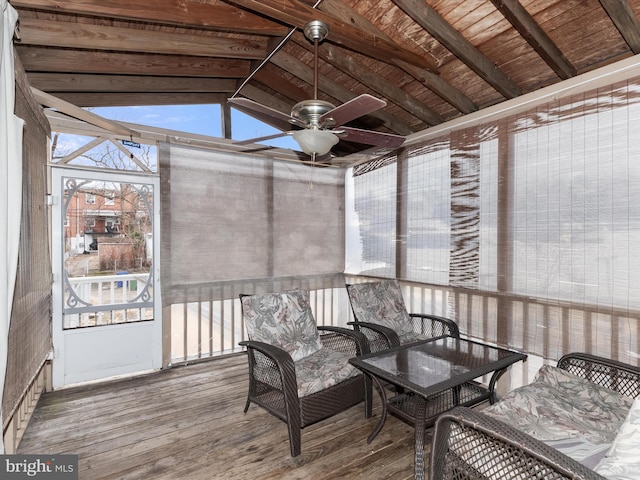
[
  {"x": 294, "y": 440},
  {"x": 368, "y": 397},
  {"x": 246, "y": 405}
]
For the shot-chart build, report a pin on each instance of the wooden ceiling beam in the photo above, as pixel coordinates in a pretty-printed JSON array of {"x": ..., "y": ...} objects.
[
  {"x": 625, "y": 20},
  {"x": 297, "y": 14},
  {"x": 429, "y": 19},
  {"x": 349, "y": 65},
  {"x": 74, "y": 111},
  {"x": 535, "y": 36},
  {"x": 41, "y": 59},
  {"x": 440, "y": 87},
  {"x": 124, "y": 99},
  {"x": 210, "y": 14},
  {"x": 267, "y": 99},
  {"x": 225, "y": 118},
  {"x": 65, "y": 82},
  {"x": 152, "y": 135},
  {"x": 268, "y": 78},
  {"x": 99, "y": 37}
]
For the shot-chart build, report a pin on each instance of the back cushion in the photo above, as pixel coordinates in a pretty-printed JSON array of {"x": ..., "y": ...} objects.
[
  {"x": 380, "y": 303},
  {"x": 284, "y": 320}
]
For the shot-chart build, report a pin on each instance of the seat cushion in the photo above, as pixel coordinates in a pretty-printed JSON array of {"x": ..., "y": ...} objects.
[
  {"x": 323, "y": 369},
  {"x": 284, "y": 320},
  {"x": 560, "y": 405},
  {"x": 412, "y": 337},
  {"x": 381, "y": 303}
]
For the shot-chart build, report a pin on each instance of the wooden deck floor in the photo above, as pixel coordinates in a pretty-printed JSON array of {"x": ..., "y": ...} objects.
[{"x": 187, "y": 423}]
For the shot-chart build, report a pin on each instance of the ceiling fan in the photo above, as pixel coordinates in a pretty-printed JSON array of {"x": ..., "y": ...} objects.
[{"x": 319, "y": 123}]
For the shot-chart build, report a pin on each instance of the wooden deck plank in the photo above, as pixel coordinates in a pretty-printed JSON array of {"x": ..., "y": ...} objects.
[
  {"x": 127, "y": 407},
  {"x": 131, "y": 415},
  {"x": 188, "y": 423}
]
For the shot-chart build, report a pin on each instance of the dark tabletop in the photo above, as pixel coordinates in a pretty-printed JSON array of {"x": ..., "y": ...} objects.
[{"x": 435, "y": 365}]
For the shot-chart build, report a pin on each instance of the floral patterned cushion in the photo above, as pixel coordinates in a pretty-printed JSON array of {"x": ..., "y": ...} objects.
[
  {"x": 622, "y": 461},
  {"x": 412, "y": 337},
  {"x": 381, "y": 303},
  {"x": 284, "y": 320},
  {"x": 560, "y": 405},
  {"x": 322, "y": 370}
]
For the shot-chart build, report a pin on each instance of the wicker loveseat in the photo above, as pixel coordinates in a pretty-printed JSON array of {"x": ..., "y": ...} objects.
[{"x": 578, "y": 420}]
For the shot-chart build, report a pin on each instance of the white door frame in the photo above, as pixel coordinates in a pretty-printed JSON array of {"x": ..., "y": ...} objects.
[{"x": 100, "y": 352}]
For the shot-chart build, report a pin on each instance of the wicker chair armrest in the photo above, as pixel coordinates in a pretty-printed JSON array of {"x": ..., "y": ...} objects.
[
  {"x": 449, "y": 327},
  {"x": 390, "y": 335},
  {"x": 469, "y": 444},
  {"x": 618, "y": 376},
  {"x": 282, "y": 359},
  {"x": 344, "y": 340}
]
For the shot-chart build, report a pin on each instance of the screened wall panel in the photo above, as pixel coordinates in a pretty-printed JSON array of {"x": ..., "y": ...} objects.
[
  {"x": 537, "y": 224},
  {"x": 465, "y": 213},
  {"x": 371, "y": 223},
  {"x": 428, "y": 215},
  {"x": 236, "y": 224},
  {"x": 576, "y": 189},
  {"x": 488, "y": 215},
  {"x": 308, "y": 220},
  {"x": 29, "y": 341}
]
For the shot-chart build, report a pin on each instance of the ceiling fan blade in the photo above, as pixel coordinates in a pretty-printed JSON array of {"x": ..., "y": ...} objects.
[
  {"x": 370, "y": 137},
  {"x": 261, "y": 139},
  {"x": 268, "y": 115},
  {"x": 354, "y": 108}
]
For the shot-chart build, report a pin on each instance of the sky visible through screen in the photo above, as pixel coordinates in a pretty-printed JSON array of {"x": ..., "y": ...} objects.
[{"x": 199, "y": 119}]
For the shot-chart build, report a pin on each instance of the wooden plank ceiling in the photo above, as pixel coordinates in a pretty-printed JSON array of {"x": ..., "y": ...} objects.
[{"x": 431, "y": 61}]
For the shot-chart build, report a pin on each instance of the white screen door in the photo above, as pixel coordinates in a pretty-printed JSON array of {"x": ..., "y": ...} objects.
[{"x": 106, "y": 313}]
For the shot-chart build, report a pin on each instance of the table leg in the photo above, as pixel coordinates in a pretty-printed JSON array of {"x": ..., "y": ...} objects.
[
  {"x": 492, "y": 384},
  {"x": 383, "y": 415},
  {"x": 421, "y": 406}
]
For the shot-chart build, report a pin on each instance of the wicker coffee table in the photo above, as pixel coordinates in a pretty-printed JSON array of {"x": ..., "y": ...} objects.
[{"x": 433, "y": 376}]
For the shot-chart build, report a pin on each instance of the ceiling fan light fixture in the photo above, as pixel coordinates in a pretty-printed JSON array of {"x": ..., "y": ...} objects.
[{"x": 315, "y": 141}]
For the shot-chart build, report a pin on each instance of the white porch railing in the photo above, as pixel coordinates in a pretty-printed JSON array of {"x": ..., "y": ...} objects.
[
  {"x": 206, "y": 329},
  {"x": 107, "y": 299}
]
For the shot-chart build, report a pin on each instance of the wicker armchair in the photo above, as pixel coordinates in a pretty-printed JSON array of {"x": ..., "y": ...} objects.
[
  {"x": 297, "y": 371},
  {"x": 381, "y": 315},
  {"x": 468, "y": 445}
]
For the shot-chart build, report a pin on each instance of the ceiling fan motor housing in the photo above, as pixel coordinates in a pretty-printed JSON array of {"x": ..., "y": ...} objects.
[{"x": 310, "y": 111}]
